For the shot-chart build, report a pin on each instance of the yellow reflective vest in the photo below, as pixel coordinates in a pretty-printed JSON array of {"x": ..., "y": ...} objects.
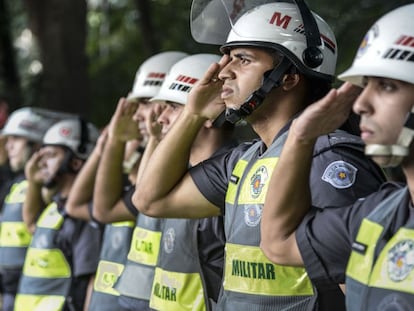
[
  {"x": 137, "y": 277},
  {"x": 14, "y": 235},
  {"x": 251, "y": 282},
  {"x": 179, "y": 284},
  {"x": 46, "y": 278},
  {"x": 382, "y": 279},
  {"x": 116, "y": 242}
]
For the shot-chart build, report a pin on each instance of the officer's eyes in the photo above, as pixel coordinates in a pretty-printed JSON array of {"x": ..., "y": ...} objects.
[
  {"x": 387, "y": 85},
  {"x": 244, "y": 60}
]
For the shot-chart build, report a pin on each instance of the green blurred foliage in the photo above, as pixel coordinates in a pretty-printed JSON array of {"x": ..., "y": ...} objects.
[
  {"x": 116, "y": 50},
  {"x": 115, "y": 40}
]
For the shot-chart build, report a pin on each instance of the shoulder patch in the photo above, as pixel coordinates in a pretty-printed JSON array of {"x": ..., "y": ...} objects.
[{"x": 340, "y": 174}]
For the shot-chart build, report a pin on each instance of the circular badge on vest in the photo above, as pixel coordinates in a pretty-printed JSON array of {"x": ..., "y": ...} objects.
[
  {"x": 252, "y": 215},
  {"x": 169, "y": 240},
  {"x": 258, "y": 181},
  {"x": 401, "y": 260},
  {"x": 340, "y": 174}
]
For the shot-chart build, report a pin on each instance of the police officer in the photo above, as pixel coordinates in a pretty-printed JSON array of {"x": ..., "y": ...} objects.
[
  {"x": 199, "y": 243},
  {"x": 275, "y": 64},
  {"x": 24, "y": 131},
  {"x": 372, "y": 240},
  {"x": 63, "y": 253}
]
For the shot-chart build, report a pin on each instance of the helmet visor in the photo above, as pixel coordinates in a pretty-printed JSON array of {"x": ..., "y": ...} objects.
[{"x": 212, "y": 20}]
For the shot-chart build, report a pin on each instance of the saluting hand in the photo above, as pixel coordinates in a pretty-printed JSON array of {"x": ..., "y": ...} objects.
[
  {"x": 327, "y": 114},
  {"x": 123, "y": 127},
  {"x": 204, "y": 98},
  {"x": 154, "y": 128},
  {"x": 33, "y": 168}
]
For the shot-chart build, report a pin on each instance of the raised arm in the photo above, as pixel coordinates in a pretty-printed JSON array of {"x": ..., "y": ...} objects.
[
  {"x": 108, "y": 206},
  {"x": 285, "y": 208},
  {"x": 81, "y": 193},
  {"x": 33, "y": 203},
  {"x": 166, "y": 188}
]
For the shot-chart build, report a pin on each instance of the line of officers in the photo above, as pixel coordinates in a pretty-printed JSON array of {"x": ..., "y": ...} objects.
[
  {"x": 162, "y": 208},
  {"x": 70, "y": 179}
]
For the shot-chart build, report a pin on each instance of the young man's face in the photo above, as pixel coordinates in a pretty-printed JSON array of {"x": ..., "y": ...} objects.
[
  {"x": 142, "y": 114},
  {"x": 169, "y": 116},
  {"x": 51, "y": 162},
  {"x": 18, "y": 151},
  {"x": 383, "y": 106},
  {"x": 244, "y": 74}
]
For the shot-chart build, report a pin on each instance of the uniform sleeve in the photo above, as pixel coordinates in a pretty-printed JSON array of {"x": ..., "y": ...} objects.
[
  {"x": 127, "y": 199},
  {"x": 86, "y": 249},
  {"x": 211, "y": 252},
  {"x": 325, "y": 237},
  {"x": 212, "y": 176},
  {"x": 341, "y": 174}
]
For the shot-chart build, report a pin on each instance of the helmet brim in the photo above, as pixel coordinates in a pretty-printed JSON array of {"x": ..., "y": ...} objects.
[{"x": 355, "y": 74}]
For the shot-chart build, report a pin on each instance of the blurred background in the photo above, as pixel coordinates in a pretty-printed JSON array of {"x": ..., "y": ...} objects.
[{"x": 80, "y": 56}]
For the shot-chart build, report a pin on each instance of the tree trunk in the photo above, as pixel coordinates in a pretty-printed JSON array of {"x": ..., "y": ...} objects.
[
  {"x": 150, "y": 44},
  {"x": 60, "y": 28},
  {"x": 10, "y": 88}
]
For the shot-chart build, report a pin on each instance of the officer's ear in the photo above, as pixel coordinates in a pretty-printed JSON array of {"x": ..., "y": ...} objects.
[
  {"x": 290, "y": 80},
  {"x": 208, "y": 124},
  {"x": 76, "y": 164}
]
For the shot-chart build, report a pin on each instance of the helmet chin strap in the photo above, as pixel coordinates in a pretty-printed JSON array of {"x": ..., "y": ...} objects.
[
  {"x": 392, "y": 155},
  {"x": 272, "y": 79}
]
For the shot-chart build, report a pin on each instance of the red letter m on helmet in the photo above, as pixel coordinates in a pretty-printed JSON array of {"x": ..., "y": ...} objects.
[{"x": 280, "y": 21}]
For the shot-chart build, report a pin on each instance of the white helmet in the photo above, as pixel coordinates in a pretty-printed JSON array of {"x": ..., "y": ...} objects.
[
  {"x": 182, "y": 76},
  {"x": 387, "y": 50},
  {"x": 302, "y": 36},
  {"x": 74, "y": 133},
  {"x": 152, "y": 72},
  {"x": 31, "y": 123}
]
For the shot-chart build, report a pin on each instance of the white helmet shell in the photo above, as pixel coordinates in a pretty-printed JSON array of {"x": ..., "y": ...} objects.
[
  {"x": 387, "y": 49},
  {"x": 77, "y": 135},
  {"x": 269, "y": 24},
  {"x": 151, "y": 74},
  {"x": 31, "y": 123},
  {"x": 182, "y": 77}
]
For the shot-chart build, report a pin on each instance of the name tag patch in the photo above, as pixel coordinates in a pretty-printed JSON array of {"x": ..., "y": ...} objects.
[
  {"x": 234, "y": 179},
  {"x": 359, "y": 247}
]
